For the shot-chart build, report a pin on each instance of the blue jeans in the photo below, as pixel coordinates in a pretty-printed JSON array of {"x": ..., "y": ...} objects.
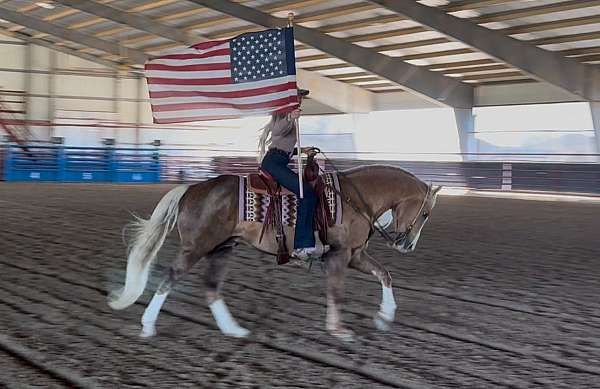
[{"x": 275, "y": 163}]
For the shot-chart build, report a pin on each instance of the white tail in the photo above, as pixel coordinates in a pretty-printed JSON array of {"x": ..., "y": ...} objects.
[{"x": 149, "y": 236}]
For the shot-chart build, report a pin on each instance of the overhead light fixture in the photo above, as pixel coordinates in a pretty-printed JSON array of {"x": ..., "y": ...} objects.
[{"x": 45, "y": 5}]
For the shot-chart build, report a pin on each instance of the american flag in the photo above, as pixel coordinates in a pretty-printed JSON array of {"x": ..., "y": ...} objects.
[{"x": 251, "y": 74}]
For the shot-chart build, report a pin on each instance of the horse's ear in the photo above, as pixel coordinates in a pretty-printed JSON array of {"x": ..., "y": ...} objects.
[{"x": 436, "y": 190}]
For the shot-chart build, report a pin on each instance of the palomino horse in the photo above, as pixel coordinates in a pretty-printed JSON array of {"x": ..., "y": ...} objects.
[{"x": 206, "y": 215}]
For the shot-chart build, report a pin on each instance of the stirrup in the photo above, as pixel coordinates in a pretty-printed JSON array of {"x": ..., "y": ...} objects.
[{"x": 312, "y": 253}]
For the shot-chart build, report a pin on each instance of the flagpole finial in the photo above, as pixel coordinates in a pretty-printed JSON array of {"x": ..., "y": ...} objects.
[{"x": 291, "y": 19}]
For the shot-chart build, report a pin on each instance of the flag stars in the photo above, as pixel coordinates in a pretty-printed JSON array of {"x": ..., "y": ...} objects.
[{"x": 258, "y": 56}]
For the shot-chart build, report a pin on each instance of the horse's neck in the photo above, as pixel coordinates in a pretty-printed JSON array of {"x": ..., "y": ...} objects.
[{"x": 382, "y": 189}]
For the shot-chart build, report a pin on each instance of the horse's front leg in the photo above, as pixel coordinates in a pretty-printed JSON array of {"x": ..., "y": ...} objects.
[
  {"x": 337, "y": 262},
  {"x": 364, "y": 263}
]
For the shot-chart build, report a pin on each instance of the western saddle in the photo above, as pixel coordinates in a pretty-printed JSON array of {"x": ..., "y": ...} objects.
[{"x": 263, "y": 183}]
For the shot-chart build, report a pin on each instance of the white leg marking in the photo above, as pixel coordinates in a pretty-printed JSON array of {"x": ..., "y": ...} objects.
[
  {"x": 151, "y": 314},
  {"x": 225, "y": 321},
  {"x": 334, "y": 325},
  {"x": 387, "y": 309}
]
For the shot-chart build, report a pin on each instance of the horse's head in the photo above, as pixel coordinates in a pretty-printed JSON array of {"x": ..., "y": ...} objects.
[{"x": 410, "y": 217}]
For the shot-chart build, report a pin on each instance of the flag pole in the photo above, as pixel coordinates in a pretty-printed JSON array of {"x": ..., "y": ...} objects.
[{"x": 297, "y": 124}]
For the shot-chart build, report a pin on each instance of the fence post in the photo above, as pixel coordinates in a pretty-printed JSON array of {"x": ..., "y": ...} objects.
[
  {"x": 507, "y": 176},
  {"x": 156, "y": 158},
  {"x": 61, "y": 156},
  {"x": 109, "y": 144},
  {"x": 7, "y": 162}
]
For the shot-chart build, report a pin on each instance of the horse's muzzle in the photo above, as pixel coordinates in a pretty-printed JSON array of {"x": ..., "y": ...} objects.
[{"x": 403, "y": 246}]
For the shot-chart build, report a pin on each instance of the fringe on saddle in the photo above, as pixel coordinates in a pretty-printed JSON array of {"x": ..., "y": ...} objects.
[{"x": 273, "y": 217}]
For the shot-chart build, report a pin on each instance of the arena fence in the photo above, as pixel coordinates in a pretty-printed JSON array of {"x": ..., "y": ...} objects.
[
  {"x": 81, "y": 164},
  {"x": 147, "y": 165},
  {"x": 533, "y": 176}
]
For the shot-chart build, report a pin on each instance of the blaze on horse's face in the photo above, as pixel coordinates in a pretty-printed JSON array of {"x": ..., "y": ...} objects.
[{"x": 408, "y": 212}]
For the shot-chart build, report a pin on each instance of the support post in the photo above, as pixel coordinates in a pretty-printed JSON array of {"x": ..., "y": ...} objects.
[
  {"x": 116, "y": 96},
  {"x": 27, "y": 89},
  {"x": 51, "y": 92},
  {"x": 465, "y": 125},
  {"x": 595, "y": 110},
  {"x": 138, "y": 110}
]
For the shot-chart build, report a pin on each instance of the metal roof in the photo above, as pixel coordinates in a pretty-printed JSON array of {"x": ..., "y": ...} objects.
[{"x": 568, "y": 27}]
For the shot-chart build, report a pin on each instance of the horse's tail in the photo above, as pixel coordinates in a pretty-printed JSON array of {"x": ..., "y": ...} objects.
[{"x": 149, "y": 236}]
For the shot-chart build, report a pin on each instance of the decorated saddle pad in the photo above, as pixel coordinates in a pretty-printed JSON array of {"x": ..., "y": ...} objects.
[{"x": 253, "y": 205}]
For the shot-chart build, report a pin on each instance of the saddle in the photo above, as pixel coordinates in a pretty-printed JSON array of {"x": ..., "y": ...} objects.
[{"x": 263, "y": 183}]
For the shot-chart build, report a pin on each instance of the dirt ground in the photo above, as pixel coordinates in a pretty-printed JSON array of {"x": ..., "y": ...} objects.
[{"x": 500, "y": 293}]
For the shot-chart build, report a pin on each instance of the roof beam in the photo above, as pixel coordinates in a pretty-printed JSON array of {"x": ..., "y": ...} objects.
[
  {"x": 347, "y": 99},
  {"x": 271, "y": 8},
  {"x": 427, "y": 84},
  {"x": 139, "y": 22},
  {"x": 62, "y": 49},
  {"x": 343, "y": 97},
  {"x": 568, "y": 74},
  {"x": 130, "y": 55}
]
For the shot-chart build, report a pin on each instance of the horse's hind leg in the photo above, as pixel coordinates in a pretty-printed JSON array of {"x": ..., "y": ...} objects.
[
  {"x": 337, "y": 262},
  {"x": 215, "y": 274},
  {"x": 182, "y": 264},
  {"x": 363, "y": 262}
]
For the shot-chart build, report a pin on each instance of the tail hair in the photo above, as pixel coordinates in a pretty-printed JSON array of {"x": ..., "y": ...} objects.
[{"x": 148, "y": 237}]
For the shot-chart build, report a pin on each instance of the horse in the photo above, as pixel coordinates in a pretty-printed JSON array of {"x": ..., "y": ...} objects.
[{"x": 206, "y": 217}]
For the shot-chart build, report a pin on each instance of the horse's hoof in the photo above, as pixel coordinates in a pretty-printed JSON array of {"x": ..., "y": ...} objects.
[
  {"x": 148, "y": 332},
  {"x": 239, "y": 332},
  {"x": 381, "y": 323},
  {"x": 343, "y": 334}
]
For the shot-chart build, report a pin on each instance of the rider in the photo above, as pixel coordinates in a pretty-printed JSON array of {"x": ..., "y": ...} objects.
[{"x": 280, "y": 135}]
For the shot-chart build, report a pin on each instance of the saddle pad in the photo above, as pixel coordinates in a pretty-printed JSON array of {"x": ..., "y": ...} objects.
[{"x": 253, "y": 206}]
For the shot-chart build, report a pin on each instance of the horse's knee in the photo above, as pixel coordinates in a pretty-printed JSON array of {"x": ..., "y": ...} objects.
[
  {"x": 386, "y": 279},
  {"x": 176, "y": 273},
  {"x": 211, "y": 281}
]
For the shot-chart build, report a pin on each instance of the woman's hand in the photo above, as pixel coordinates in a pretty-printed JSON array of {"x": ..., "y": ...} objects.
[
  {"x": 295, "y": 114},
  {"x": 310, "y": 150}
]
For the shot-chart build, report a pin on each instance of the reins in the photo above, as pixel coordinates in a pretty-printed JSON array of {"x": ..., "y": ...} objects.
[{"x": 369, "y": 217}]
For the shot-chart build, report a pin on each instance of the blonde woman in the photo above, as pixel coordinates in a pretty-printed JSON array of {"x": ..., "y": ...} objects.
[{"x": 280, "y": 136}]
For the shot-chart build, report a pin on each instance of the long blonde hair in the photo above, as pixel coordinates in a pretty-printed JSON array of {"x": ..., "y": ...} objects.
[{"x": 265, "y": 137}]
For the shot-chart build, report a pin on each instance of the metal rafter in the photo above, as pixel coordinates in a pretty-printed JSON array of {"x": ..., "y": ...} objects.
[
  {"x": 139, "y": 22},
  {"x": 62, "y": 49},
  {"x": 542, "y": 26},
  {"x": 272, "y": 7},
  {"x": 182, "y": 38},
  {"x": 568, "y": 74},
  {"x": 421, "y": 81},
  {"x": 130, "y": 55},
  {"x": 310, "y": 17}
]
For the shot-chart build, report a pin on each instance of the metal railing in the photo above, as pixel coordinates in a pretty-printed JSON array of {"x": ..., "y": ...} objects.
[
  {"x": 80, "y": 164},
  {"x": 515, "y": 175},
  {"x": 111, "y": 164}
]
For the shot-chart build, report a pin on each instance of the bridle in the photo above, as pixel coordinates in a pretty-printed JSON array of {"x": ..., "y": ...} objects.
[
  {"x": 401, "y": 236},
  {"x": 374, "y": 225}
]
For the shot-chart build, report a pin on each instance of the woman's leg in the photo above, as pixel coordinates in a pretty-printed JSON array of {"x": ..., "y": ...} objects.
[{"x": 277, "y": 167}]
